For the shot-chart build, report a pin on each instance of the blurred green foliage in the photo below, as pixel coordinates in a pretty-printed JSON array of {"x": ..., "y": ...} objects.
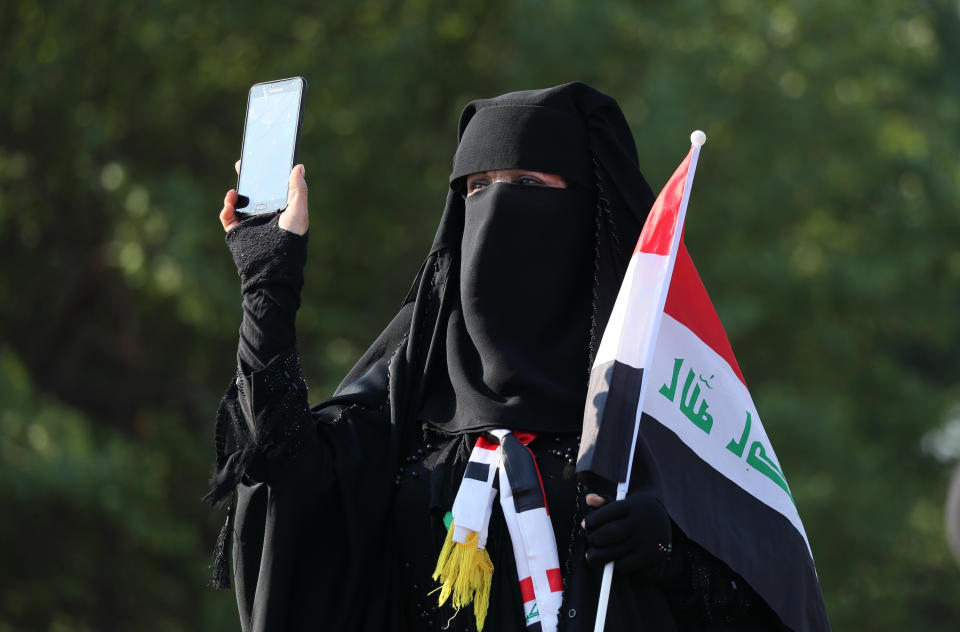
[{"x": 824, "y": 223}]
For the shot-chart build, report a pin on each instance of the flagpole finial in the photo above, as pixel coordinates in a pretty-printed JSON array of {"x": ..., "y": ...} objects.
[{"x": 698, "y": 138}]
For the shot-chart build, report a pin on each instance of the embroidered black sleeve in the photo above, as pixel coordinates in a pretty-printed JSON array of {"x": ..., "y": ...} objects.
[
  {"x": 270, "y": 263},
  {"x": 263, "y": 419},
  {"x": 260, "y": 426},
  {"x": 264, "y": 407}
]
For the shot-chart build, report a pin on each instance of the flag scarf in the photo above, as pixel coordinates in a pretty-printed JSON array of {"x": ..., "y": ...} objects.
[
  {"x": 501, "y": 459},
  {"x": 665, "y": 380}
]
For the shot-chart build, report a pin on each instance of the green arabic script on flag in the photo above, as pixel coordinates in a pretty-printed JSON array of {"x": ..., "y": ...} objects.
[{"x": 690, "y": 395}]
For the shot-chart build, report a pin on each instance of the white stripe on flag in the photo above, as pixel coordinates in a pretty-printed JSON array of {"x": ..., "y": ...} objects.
[
  {"x": 727, "y": 401},
  {"x": 630, "y": 328}
]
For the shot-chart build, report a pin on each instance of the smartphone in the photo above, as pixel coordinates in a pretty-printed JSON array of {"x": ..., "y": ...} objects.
[{"x": 271, "y": 138}]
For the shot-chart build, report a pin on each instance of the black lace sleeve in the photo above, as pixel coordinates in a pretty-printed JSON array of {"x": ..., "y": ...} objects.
[
  {"x": 265, "y": 407},
  {"x": 270, "y": 264},
  {"x": 261, "y": 426},
  {"x": 264, "y": 417},
  {"x": 308, "y": 491}
]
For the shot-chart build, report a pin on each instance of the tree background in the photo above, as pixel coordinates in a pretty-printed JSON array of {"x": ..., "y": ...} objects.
[{"x": 824, "y": 223}]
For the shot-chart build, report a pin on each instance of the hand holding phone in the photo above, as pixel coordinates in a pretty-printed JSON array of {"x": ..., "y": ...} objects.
[
  {"x": 295, "y": 218},
  {"x": 267, "y": 180}
]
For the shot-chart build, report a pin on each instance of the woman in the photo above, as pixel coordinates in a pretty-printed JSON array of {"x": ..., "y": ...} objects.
[{"x": 342, "y": 510}]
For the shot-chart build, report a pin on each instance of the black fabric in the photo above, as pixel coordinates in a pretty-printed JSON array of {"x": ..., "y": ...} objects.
[
  {"x": 477, "y": 471},
  {"x": 580, "y": 127},
  {"x": 261, "y": 448},
  {"x": 623, "y": 196},
  {"x": 339, "y": 509},
  {"x": 532, "y": 137},
  {"x": 770, "y": 564},
  {"x": 614, "y": 405},
  {"x": 270, "y": 286},
  {"x": 636, "y": 533},
  {"x": 523, "y": 475},
  {"x": 517, "y": 340}
]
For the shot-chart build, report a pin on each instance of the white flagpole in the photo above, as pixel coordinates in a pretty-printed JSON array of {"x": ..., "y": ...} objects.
[{"x": 697, "y": 139}]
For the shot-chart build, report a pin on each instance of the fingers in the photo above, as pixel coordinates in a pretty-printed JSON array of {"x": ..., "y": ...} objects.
[
  {"x": 615, "y": 552},
  {"x": 228, "y": 219},
  {"x": 298, "y": 178},
  {"x": 228, "y": 215},
  {"x": 608, "y": 513},
  {"x": 616, "y": 538},
  {"x": 626, "y": 555},
  {"x": 595, "y": 500},
  {"x": 609, "y": 534},
  {"x": 631, "y": 531},
  {"x": 296, "y": 217},
  {"x": 637, "y": 559}
]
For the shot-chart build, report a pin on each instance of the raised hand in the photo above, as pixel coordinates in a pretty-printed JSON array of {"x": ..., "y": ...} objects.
[{"x": 295, "y": 218}]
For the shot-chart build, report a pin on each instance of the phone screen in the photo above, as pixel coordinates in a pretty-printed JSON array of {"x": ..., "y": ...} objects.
[{"x": 269, "y": 144}]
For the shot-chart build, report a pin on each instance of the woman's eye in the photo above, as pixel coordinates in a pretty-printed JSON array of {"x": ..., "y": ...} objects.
[
  {"x": 529, "y": 180},
  {"x": 476, "y": 185}
]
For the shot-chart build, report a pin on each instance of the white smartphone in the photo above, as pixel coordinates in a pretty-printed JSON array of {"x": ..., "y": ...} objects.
[{"x": 271, "y": 138}]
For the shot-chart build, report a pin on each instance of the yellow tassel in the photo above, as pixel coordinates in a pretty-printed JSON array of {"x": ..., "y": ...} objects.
[{"x": 465, "y": 572}]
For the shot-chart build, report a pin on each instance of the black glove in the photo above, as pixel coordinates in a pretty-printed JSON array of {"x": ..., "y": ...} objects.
[
  {"x": 634, "y": 532},
  {"x": 270, "y": 263},
  {"x": 266, "y": 254}
]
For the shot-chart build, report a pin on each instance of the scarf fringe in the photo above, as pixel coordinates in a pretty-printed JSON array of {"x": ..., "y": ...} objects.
[
  {"x": 465, "y": 571},
  {"x": 220, "y": 566}
]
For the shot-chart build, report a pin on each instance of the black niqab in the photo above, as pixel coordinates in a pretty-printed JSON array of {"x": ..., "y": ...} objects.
[
  {"x": 517, "y": 343},
  {"x": 503, "y": 319}
]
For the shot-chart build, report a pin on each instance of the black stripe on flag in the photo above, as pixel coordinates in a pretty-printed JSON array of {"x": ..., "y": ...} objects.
[
  {"x": 522, "y": 474},
  {"x": 609, "y": 420},
  {"x": 477, "y": 471},
  {"x": 755, "y": 540}
]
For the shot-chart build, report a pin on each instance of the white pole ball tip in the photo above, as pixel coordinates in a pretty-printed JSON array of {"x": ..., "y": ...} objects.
[{"x": 698, "y": 138}]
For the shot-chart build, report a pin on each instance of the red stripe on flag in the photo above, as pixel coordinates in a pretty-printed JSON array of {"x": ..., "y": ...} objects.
[
  {"x": 555, "y": 579},
  {"x": 657, "y": 234},
  {"x": 486, "y": 444},
  {"x": 526, "y": 589},
  {"x": 689, "y": 304}
]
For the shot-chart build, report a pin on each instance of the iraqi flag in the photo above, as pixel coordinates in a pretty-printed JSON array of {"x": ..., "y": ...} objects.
[{"x": 665, "y": 383}]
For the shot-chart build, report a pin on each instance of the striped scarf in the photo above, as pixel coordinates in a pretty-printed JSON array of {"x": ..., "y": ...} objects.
[{"x": 501, "y": 459}]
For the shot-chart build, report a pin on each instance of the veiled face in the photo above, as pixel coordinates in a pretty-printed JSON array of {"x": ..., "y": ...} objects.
[{"x": 478, "y": 181}]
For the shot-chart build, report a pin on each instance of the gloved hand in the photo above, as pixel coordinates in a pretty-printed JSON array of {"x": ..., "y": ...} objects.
[
  {"x": 295, "y": 218},
  {"x": 635, "y": 532}
]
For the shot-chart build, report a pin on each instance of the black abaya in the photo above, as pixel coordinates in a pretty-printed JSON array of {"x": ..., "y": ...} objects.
[{"x": 338, "y": 514}]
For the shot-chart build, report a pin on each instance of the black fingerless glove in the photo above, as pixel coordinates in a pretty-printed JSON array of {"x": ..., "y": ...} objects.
[
  {"x": 267, "y": 254},
  {"x": 634, "y": 532},
  {"x": 270, "y": 263}
]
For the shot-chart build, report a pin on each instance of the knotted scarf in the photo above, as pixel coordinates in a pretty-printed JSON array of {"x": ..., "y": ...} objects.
[{"x": 501, "y": 460}]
